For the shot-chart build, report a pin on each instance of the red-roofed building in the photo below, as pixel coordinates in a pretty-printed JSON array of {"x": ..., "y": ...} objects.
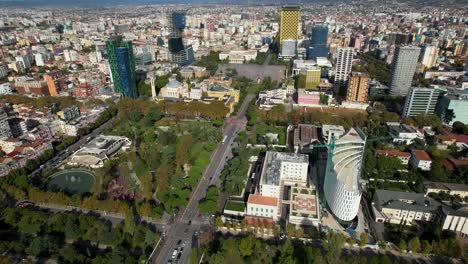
[
  {"x": 448, "y": 138},
  {"x": 421, "y": 160},
  {"x": 453, "y": 164},
  {"x": 263, "y": 206},
  {"x": 404, "y": 157},
  {"x": 9, "y": 144}
]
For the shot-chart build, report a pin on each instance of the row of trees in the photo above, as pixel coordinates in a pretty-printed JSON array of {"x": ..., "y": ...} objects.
[
  {"x": 250, "y": 249},
  {"x": 73, "y": 238}
]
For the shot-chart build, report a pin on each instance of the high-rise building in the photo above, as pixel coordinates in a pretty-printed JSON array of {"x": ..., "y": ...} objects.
[
  {"x": 289, "y": 23},
  {"x": 358, "y": 87},
  {"x": 5, "y": 131},
  {"x": 318, "y": 43},
  {"x": 404, "y": 66},
  {"x": 122, "y": 66},
  {"x": 342, "y": 190},
  {"x": 421, "y": 101},
  {"x": 178, "y": 53},
  {"x": 429, "y": 56},
  {"x": 344, "y": 63}
]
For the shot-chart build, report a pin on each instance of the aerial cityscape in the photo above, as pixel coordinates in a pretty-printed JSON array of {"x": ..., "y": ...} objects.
[{"x": 154, "y": 131}]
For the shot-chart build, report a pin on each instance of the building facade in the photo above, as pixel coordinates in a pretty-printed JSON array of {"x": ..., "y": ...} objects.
[
  {"x": 318, "y": 43},
  {"x": 344, "y": 63},
  {"x": 358, "y": 87},
  {"x": 421, "y": 101},
  {"x": 342, "y": 190},
  {"x": 404, "y": 66},
  {"x": 289, "y": 23},
  {"x": 420, "y": 160},
  {"x": 122, "y": 66}
]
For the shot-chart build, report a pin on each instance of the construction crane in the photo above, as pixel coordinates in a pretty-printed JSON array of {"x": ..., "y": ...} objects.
[{"x": 331, "y": 147}]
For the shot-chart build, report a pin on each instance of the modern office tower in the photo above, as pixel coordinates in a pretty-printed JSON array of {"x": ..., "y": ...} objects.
[
  {"x": 5, "y": 130},
  {"x": 429, "y": 56},
  {"x": 404, "y": 66},
  {"x": 289, "y": 23},
  {"x": 344, "y": 63},
  {"x": 312, "y": 78},
  {"x": 342, "y": 190},
  {"x": 318, "y": 43},
  {"x": 358, "y": 87},
  {"x": 421, "y": 101},
  {"x": 177, "y": 51},
  {"x": 122, "y": 66}
]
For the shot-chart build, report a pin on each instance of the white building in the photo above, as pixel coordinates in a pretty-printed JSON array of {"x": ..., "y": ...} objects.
[
  {"x": 421, "y": 101},
  {"x": 288, "y": 49},
  {"x": 420, "y": 160},
  {"x": 457, "y": 222},
  {"x": 342, "y": 190},
  {"x": 99, "y": 150},
  {"x": 277, "y": 167},
  {"x": 403, "y": 134},
  {"x": 449, "y": 188},
  {"x": 39, "y": 58},
  {"x": 429, "y": 56},
  {"x": 344, "y": 63},
  {"x": 5, "y": 88},
  {"x": 329, "y": 131},
  {"x": 404, "y": 157},
  {"x": 404, "y": 207},
  {"x": 238, "y": 56},
  {"x": 5, "y": 131},
  {"x": 263, "y": 206}
]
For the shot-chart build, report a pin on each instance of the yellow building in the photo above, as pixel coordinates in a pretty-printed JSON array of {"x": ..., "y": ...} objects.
[
  {"x": 220, "y": 92},
  {"x": 312, "y": 78},
  {"x": 289, "y": 23}
]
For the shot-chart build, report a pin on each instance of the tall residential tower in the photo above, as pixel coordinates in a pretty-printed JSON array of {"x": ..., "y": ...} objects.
[
  {"x": 404, "y": 66},
  {"x": 344, "y": 63}
]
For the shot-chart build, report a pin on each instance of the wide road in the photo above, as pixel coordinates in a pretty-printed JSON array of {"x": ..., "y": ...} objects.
[
  {"x": 62, "y": 155},
  {"x": 181, "y": 229}
]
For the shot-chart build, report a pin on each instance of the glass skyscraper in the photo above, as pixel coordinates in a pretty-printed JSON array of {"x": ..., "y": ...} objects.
[
  {"x": 318, "y": 44},
  {"x": 178, "y": 52},
  {"x": 122, "y": 66}
]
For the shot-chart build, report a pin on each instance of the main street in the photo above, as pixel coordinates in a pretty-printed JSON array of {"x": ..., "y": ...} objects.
[{"x": 186, "y": 223}]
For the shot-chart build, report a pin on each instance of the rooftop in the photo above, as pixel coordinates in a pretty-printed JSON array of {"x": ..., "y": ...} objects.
[
  {"x": 263, "y": 200},
  {"x": 272, "y": 165},
  {"x": 405, "y": 201},
  {"x": 446, "y": 186},
  {"x": 392, "y": 152},
  {"x": 421, "y": 155},
  {"x": 305, "y": 134}
]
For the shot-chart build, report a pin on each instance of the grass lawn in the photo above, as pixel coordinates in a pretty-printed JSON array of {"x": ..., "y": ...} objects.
[{"x": 235, "y": 206}]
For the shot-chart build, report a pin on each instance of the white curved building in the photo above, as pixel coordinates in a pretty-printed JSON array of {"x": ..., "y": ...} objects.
[{"x": 342, "y": 184}]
